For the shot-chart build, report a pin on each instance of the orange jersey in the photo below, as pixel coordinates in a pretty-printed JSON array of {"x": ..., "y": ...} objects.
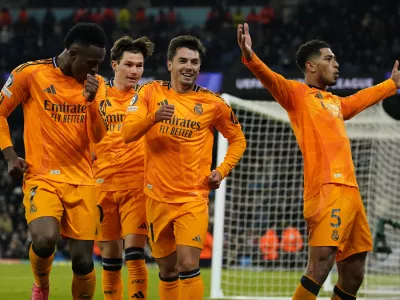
[
  {"x": 179, "y": 151},
  {"x": 317, "y": 118},
  {"x": 57, "y": 144},
  {"x": 118, "y": 166}
]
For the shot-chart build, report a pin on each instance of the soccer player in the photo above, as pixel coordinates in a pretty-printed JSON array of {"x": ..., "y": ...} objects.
[
  {"x": 60, "y": 97},
  {"x": 178, "y": 120},
  {"x": 333, "y": 209},
  {"x": 119, "y": 173}
]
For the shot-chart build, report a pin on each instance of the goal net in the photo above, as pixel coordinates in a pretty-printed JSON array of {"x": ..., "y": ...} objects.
[{"x": 260, "y": 238}]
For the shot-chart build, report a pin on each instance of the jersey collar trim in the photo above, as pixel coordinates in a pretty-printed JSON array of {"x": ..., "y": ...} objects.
[
  {"x": 196, "y": 87},
  {"x": 55, "y": 62},
  {"x": 315, "y": 87}
]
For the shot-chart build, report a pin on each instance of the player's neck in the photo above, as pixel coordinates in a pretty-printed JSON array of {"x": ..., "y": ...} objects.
[
  {"x": 122, "y": 87},
  {"x": 62, "y": 62},
  {"x": 179, "y": 88},
  {"x": 314, "y": 82}
]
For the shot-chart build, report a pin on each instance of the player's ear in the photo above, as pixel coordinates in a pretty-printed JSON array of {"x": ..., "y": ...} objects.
[
  {"x": 169, "y": 65},
  {"x": 310, "y": 66},
  {"x": 73, "y": 54},
  {"x": 114, "y": 65}
]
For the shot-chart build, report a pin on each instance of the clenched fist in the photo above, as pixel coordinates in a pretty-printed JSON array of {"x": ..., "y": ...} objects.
[
  {"x": 165, "y": 112},
  {"x": 90, "y": 88}
]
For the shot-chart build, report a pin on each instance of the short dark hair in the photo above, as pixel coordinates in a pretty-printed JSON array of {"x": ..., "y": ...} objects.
[
  {"x": 86, "y": 34},
  {"x": 126, "y": 43},
  {"x": 185, "y": 41},
  {"x": 308, "y": 50}
]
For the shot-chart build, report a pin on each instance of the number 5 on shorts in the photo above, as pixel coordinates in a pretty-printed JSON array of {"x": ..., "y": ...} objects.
[{"x": 334, "y": 215}]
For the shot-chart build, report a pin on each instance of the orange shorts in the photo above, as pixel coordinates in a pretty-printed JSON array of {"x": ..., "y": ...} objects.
[
  {"x": 336, "y": 217},
  {"x": 172, "y": 224},
  {"x": 74, "y": 206},
  {"x": 123, "y": 213}
]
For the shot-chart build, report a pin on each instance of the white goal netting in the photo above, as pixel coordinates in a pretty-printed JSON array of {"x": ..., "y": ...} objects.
[{"x": 260, "y": 245}]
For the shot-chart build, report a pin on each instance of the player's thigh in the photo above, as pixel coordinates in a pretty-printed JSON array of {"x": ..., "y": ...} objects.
[
  {"x": 360, "y": 239},
  {"x": 160, "y": 217},
  {"x": 81, "y": 215},
  {"x": 110, "y": 227},
  {"x": 330, "y": 216},
  {"x": 191, "y": 226},
  {"x": 43, "y": 208},
  {"x": 132, "y": 211}
]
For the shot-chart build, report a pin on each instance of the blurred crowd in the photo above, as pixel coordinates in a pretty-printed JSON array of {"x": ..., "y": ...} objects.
[{"x": 363, "y": 36}]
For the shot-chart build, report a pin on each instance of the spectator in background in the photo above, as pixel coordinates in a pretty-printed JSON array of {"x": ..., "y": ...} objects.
[
  {"x": 161, "y": 20},
  {"x": 16, "y": 248},
  {"x": 140, "y": 15},
  {"x": 253, "y": 18},
  {"x": 49, "y": 21},
  {"x": 5, "y": 17},
  {"x": 124, "y": 19},
  {"x": 80, "y": 15},
  {"x": 171, "y": 17},
  {"x": 269, "y": 245},
  {"x": 23, "y": 15},
  {"x": 95, "y": 16},
  {"x": 238, "y": 17},
  {"x": 267, "y": 14},
  {"x": 292, "y": 240}
]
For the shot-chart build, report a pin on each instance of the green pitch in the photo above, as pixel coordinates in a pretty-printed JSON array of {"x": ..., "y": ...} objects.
[{"x": 16, "y": 282}]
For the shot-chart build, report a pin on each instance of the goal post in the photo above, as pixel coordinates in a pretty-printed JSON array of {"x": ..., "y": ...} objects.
[{"x": 263, "y": 197}]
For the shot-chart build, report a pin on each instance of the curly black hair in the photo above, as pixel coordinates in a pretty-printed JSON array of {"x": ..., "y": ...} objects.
[
  {"x": 308, "y": 50},
  {"x": 85, "y": 34}
]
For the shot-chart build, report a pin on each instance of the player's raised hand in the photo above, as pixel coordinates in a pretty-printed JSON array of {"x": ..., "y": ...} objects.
[
  {"x": 244, "y": 41},
  {"x": 165, "y": 112},
  {"x": 91, "y": 86},
  {"x": 214, "y": 180},
  {"x": 396, "y": 74}
]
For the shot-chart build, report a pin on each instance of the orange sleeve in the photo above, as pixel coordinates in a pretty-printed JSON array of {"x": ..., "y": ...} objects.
[
  {"x": 363, "y": 99},
  {"x": 14, "y": 91},
  {"x": 279, "y": 86},
  {"x": 228, "y": 125},
  {"x": 96, "y": 112},
  {"x": 138, "y": 118}
]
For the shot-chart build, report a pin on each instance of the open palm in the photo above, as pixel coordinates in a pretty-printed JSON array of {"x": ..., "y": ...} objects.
[{"x": 244, "y": 41}]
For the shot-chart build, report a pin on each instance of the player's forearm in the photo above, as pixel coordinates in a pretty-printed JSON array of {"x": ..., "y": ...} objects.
[
  {"x": 9, "y": 153},
  {"x": 236, "y": 148},
  {"x": 365, "y": 98},
  {"x": 133, "y": 130},
  {"x": 96, "y": 124},
  {"x": 5, "y": 138},
  {"x": 272, "y": 81}
]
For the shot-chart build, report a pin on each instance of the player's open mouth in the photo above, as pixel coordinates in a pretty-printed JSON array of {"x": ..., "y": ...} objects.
[
  {"x": 187, "y": 75},
  {"x": 132, "y": 78}
]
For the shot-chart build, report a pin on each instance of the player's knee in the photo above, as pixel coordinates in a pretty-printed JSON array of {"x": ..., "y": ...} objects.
[
  {"x": 44, "y": 243},
  {"x": 318, "y": 268},
  {"x": 82, "y": 264},
  {"x": 188, "y": 264},
  {"x": 167, "y": 270},
  {"x": 356, "y": 278}
]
